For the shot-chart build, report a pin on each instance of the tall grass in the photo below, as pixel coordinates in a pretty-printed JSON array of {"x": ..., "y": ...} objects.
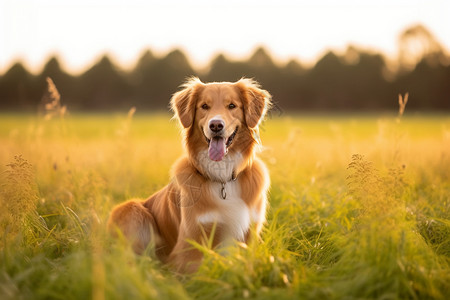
[{"x": 359, "y": 209}]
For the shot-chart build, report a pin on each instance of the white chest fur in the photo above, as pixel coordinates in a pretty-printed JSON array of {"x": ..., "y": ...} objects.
[{"x": 231, "y": 212}]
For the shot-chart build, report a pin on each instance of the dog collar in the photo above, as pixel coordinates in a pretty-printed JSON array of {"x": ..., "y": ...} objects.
[{"x": 223, "y": 191}]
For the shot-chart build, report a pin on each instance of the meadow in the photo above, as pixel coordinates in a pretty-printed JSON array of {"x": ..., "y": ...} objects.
[{"x": 359, "y": 209}]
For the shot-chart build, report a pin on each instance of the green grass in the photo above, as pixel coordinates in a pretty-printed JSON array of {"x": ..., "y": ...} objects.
[{"x": 359, "y": 209}]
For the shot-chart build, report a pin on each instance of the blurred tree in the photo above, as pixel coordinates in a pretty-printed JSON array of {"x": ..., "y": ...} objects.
[
  {"x": 221, "y": 69},
  {"x": 366, "y": 86},
  {"x": 103, "y": 86},
  {"x": 292, "y": 93},
  {"x": 16, "y": 89},
  {"x": 141, "y": 78},
  {"x": 261, "y": 67},
  {"x": 325, "y": 83},
  {"x": 261, "y": 61},
  {"x": 428, "y": 86},
  {"x": 158, "y": 79},
  {"x": 143, "y": 66},
  {"x": 424, "y": 70},
  {"x": 354, "y": 81},
  {"x": 417, "y": 43}
]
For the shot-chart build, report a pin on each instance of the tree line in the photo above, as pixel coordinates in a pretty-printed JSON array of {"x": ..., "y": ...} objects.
[{"x": 356, "y": 80}]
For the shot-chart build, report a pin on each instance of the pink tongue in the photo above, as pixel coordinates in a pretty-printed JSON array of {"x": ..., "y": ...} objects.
[{"x": 217, "y": 149}]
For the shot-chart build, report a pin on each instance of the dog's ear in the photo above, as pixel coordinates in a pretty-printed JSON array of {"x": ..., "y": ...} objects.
[
  {"x": 256, "y": 101},
  {"x": 183, "y": 102}
]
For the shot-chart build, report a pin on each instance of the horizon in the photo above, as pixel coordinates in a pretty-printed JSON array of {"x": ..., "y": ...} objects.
[
  {"x": 391, "y": 62},
  {"x": 202, "y": 68},
  {"x": 287, "y": 30}
]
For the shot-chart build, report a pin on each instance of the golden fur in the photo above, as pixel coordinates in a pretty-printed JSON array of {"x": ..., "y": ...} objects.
[{"x": 192, "y": 203}]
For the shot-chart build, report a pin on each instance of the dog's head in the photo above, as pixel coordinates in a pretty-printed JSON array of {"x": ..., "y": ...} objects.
[{"x": 221, "y": 117}]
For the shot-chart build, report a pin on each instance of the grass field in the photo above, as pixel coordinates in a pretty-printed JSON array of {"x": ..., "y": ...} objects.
[{"x": 359, "y": 209}]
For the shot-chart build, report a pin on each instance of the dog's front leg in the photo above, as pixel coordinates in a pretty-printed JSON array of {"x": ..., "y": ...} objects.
[
  {"x": 185, "y": 258},
  {"x": 193, "y": 201}
]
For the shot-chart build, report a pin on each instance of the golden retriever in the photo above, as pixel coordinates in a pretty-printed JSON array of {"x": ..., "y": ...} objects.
[{"x": 218, "y": 187}]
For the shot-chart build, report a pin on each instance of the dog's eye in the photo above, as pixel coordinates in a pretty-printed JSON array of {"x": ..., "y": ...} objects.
[
  {"x": 205, "y": 106},
  {"x": 231, "y": 106}
]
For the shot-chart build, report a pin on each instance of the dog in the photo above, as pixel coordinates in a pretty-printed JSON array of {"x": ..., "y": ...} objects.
[{"x": 218, "y": 190}]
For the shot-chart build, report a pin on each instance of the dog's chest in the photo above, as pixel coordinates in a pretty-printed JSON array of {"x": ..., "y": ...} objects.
[
  {"x": 231, "y": 213},
  {"x": 219, "y": 170}
]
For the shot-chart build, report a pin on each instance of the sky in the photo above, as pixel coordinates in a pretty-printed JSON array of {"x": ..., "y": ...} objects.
[{"x": 79, "y": 31}]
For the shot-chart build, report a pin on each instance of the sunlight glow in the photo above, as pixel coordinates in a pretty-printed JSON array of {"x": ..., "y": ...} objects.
[{"x": 79, "y": 31}]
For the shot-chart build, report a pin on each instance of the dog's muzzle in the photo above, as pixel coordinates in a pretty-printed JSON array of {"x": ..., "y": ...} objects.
[{"x": 218, "y": 144}]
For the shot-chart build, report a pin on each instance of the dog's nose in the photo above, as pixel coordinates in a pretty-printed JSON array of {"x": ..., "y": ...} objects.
[{"x": 216, "y": 125}]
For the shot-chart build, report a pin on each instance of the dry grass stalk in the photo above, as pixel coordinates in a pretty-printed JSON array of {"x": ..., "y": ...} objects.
[
  {"x": 51, "y": 103},
  {"x": 402, "y": 104},
  {"x": 131, "y": 112}
]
